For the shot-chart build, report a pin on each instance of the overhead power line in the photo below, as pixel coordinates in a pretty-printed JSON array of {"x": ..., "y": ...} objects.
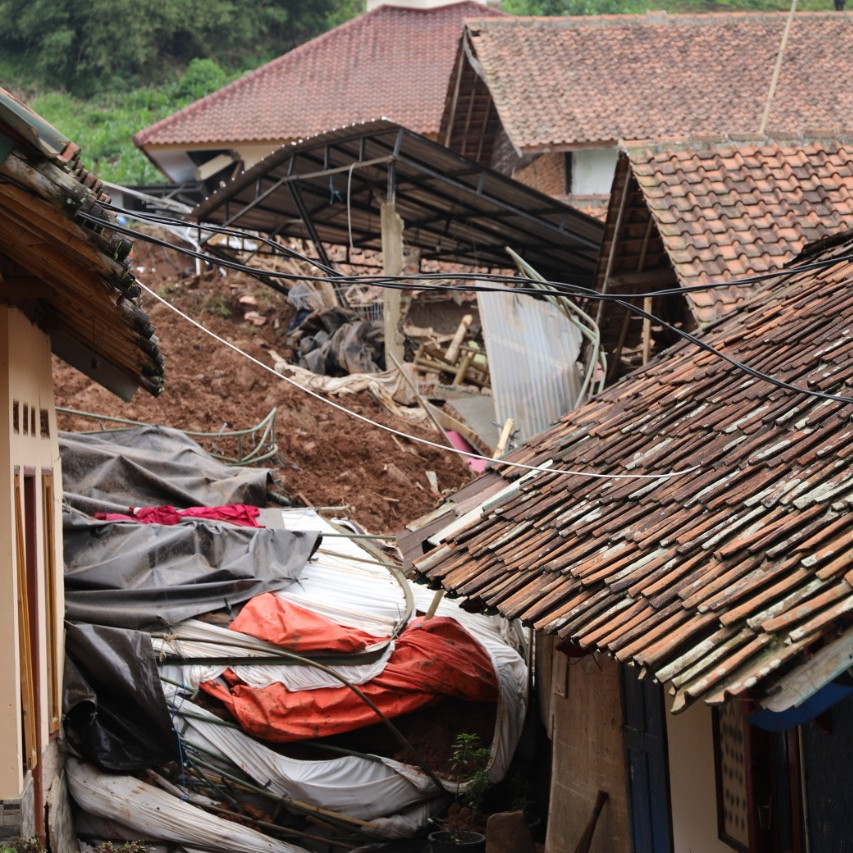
[{"x": 415, "y": 282}]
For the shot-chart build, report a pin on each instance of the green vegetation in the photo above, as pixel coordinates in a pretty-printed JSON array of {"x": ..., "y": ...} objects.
[
  {"x": 90, "y": 46},
  {"x": 102, "y": 70},
  {"x": 104, "y": 124},
  {"x": 469, "y": 759}
]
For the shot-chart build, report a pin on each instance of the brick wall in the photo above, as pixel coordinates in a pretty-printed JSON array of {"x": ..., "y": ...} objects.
[{"x": 547, "y": 173}]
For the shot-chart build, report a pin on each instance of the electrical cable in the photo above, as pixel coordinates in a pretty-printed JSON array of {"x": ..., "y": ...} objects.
[
  {"x": 425, "y": 441},
  {"x": 406, "y": 281},
  {"x": 615, "y": 297},
  {"x": 750, "y": 371}
]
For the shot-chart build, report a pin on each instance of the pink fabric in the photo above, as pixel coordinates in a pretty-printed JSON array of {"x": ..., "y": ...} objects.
[
  {"x": 461, "y": 443},
  {"x": 241, "y": 514}
]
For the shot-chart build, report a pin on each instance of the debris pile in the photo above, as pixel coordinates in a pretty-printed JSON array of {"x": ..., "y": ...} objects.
[{"x": 246, "y": 677}]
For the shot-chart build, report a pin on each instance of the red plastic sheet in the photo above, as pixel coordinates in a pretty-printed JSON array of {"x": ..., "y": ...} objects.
[
  {"x": 432, "y": 658},
  {"x": 275, "y": 620},
  {"x": 241, "y": 514}
]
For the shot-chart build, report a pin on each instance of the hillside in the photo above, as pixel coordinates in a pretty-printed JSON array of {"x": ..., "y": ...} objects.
[{"x": 326, "y": 457}]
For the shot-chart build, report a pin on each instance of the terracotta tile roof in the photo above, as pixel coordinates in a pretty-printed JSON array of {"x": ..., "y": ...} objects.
[
  {"x": 727, "y": 210},
  {"x": 722, "y": 582},
  {"x": 69, "y": 275},
  {"x": 391, "y": 62},
  {"x": 591, "y": 81}
]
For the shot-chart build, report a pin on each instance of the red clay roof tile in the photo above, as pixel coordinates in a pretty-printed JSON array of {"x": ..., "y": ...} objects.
[
  {"x": 790, "y": 196},
  {"x": 391, "y": 62},
  {"x": 721, "y": 581},
  {"x": 573, "y": 82}
]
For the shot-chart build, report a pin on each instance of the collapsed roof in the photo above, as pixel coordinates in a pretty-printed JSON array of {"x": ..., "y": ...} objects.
[
  {"x": 330, "y": 188},
  {"x": 204, "y": 639},
  {"x": 71, "y": 276}
]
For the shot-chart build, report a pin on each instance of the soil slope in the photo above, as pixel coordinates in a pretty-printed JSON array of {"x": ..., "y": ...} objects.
[{"x": 326, "y": 458}]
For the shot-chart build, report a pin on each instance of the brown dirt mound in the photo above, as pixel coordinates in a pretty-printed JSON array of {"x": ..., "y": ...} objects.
[{"x": 327, "y": 458}]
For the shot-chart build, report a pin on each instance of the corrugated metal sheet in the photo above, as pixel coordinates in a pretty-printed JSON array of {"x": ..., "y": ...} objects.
[
  {"x": 734, "y": 579},
  {"x": 533, "y": 352}
]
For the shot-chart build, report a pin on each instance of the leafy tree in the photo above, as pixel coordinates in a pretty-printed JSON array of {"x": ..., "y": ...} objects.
[{"x": 89, "y": 46}]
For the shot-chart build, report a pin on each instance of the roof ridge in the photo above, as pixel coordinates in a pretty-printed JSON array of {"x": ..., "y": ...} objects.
[
  {"x": 651, "y": 18},
  {"x": 807, "y": 136}
]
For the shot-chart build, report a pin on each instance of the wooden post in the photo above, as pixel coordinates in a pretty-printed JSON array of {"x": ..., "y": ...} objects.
[
  {"x": 647, "y": 330},
  {"x": 392, "y": 264},
  {"x": 458, "y": 338},
  {"x": 506, "y": 433}
]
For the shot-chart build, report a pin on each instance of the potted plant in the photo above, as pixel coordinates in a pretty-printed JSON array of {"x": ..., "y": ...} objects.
[{"x": 468, "y": 760}]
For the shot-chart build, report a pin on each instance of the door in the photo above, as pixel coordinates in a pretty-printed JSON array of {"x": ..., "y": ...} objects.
[{"x": 648, "y": 773}]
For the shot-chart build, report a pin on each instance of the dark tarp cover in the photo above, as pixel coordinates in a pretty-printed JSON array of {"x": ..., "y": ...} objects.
[
  {"x": 115, "y": 711},
  {"x": 127, "y": 575},
  {"x": 149, "y": 575},
  {"x": 151, "y": 466}
]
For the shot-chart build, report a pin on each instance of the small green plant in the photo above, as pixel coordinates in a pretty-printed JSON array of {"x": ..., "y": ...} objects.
[
  {"x": 219, "y": 305},
  {"x": 469, "y": 760},
  {"x": 468, "y": 754}
]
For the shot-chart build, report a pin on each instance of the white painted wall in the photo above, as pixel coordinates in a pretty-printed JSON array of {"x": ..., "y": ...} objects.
[
  {"x": 592, "y": 170},
  {"x": 691, "y": 778}
]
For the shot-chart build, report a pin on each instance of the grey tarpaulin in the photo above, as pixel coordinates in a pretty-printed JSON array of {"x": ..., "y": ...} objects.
[
  {"x": 115, "y": 712},
  {"x": 122, "y": 575},
  {"x": 149, "y": 575},
  {"x": 151, "y": 466}
]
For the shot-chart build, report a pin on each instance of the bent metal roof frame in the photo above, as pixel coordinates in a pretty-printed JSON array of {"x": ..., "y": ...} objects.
[{"x": 329, "y": 189}]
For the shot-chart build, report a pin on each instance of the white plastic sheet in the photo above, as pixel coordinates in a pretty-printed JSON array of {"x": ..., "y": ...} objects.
[
  {"x": 155, "y": 814},
  {"x": 350, "y": 587},
  {"x": 356, "y": 787},
  {"x": 201, "y": 640}
]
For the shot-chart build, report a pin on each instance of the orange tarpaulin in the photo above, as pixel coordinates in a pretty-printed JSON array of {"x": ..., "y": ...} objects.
[
  {"x": 432, "y": 658},
  {"x": 275, "y": 620}
]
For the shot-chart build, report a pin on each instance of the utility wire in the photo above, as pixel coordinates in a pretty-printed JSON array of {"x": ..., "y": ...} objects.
[
  {"x": 617, "y": 298},
  {"x": 411, "y": 281}
]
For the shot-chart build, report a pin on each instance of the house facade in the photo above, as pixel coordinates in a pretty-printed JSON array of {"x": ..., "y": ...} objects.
[{"x": 65, "y": 289}]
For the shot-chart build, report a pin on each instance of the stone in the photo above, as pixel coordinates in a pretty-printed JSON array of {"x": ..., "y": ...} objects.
[{"x": 507, "y": 832}]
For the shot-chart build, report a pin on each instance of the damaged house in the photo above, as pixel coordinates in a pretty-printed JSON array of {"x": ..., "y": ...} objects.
[
  {"x": 163, "y": 720},
  {"x": 688, "y": 213},
  {"x": 65, "y": 288},
  {"x": 682, "y": 545}
]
